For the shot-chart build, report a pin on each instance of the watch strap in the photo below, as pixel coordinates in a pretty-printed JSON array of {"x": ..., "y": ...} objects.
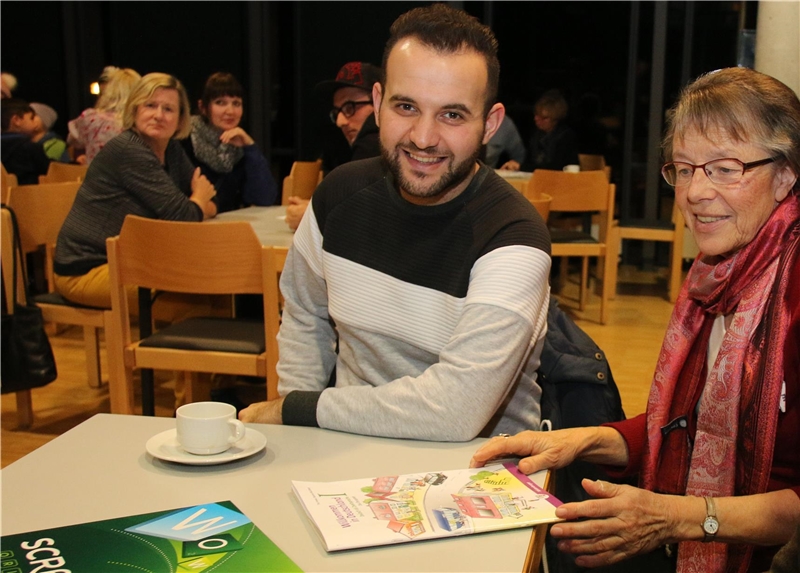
[{"x": 710, "y": 520}]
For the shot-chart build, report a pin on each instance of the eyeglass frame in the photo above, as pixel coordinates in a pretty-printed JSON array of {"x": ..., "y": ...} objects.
[
  {"x": 335, "y": 111},
  {"x": 745, "y": 167}
]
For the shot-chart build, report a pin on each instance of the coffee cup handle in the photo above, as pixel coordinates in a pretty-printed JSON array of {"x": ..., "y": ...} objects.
[{"x": 238, "y": 431}]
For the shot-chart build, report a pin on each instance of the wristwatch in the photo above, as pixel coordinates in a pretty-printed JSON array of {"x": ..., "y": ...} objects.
[{"x": 710, "y": 525}]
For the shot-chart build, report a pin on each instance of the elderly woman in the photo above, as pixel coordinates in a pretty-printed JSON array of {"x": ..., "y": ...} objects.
[
  {"x": 717, "y": 452},
  {"x": 143, "y": 171},
  {"x": 225, "y": 153},
  {"x": 554, "y": 144},
  {"x": 93, "y": 128}
]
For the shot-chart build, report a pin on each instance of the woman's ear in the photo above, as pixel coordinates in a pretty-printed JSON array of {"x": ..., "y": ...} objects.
[{"x": 785, "y": 180}]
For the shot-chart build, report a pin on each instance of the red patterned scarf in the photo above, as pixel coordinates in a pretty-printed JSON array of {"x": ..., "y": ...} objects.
[{"x": 737, "y": 415}]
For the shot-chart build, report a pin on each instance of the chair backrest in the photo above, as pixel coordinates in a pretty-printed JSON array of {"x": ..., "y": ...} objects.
[
  {"x": 302, "y": 180},
  {"x": 60, "y": 172},
  {"x": 573, "y": 192},
  {"x": 594, "y": 163},
  {"x": 542, "y": 204},
  {"x": 7, "y": 255},
  {"x": 41, "y": 210},
  {"x": 591, "y": 162},
  {"x": 223, "y": 258},
  {"x": 7, "y": 181}
]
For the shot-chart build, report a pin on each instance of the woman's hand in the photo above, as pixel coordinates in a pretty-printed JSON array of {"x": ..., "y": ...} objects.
[
  {"x": 202, "y": 193},
  {"x": 236, "y": 137},
  {"x": 295, "y": 211},
  {"x": 545, "y": 450},
  {"x": 621, "y": 522},
  {"x": 510, "y": 165}
]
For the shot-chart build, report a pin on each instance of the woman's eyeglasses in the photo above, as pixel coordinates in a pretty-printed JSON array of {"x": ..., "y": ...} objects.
[
  {"x": 720, "y": 171},
  {"x": 348, "y": 109}
]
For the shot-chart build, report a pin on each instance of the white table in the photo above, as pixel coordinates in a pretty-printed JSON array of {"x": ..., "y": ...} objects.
[
  {"x": 269, "y": 223},
  {"x": 100, "y": 470}
]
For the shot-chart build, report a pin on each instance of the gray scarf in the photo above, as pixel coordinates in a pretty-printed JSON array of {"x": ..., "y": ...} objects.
[{"x": 221, "y": 157}]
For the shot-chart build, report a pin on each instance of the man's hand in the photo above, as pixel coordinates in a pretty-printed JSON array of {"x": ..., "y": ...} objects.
[
  {"x": 263, "y": 412},
  {"x": 295, "y": 211},
  {"x": 510, "y": 165}
]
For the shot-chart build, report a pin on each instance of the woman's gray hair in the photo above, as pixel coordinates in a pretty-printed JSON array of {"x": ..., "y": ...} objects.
[
  {"x": 144, "y": 89},
  {"x": 744, "y": 104}
]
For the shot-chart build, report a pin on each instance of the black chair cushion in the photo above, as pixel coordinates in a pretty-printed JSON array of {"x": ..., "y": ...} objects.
[
  {"x": 568, "y": 236},
  {"x": 216, "y": 334},
  {"x": 55, "y": 298}
]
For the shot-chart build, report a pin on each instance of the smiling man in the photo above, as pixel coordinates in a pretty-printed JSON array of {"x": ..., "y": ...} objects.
[{"x": 427, "y": 269}]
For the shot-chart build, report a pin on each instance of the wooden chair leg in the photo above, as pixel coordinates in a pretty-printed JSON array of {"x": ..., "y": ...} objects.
[
  {"x": 24, "y": 409},
  {"x": 92, "y": 347},
  {"x": 676, "y": 265},
  {"x": 563, "y": 272},
  {"x": 583, "y": 294},
  {"x": 120, "y": 377},
  {"x": 197, "y": 386},
  {"x": 612, "y": 261}
]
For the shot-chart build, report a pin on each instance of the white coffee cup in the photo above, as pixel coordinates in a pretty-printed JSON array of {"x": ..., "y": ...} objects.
[
  {"x": 206, "y": 428},
  {"x": 572, "y": 168}
]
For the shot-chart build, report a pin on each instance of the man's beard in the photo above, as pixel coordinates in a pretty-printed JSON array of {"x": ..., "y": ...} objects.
[{"x": 455, "y": 174}]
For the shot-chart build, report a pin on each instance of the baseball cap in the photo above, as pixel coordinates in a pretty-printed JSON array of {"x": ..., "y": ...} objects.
[
  {"x": 353, "y": 74},
  {"x": 47, "y": 113}
]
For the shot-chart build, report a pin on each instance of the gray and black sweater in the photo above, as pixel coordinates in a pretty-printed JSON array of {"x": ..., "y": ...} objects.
[{"x": 440, "y": 312}]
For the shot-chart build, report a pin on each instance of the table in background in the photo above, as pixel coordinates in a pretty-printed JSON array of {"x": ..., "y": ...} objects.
[
  {"x": 100, "y": 470},
  {"x": 269, "y": 223}
]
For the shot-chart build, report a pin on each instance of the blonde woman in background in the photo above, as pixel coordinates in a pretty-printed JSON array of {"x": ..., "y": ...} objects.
[{"x": 90, "y": 131}]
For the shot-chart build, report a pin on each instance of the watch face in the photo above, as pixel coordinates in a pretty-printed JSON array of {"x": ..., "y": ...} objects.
[{"x": 710, "y": 526}]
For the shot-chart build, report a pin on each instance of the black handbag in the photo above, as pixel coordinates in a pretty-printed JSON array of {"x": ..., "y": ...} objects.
[{"x": 26, "y": 357}]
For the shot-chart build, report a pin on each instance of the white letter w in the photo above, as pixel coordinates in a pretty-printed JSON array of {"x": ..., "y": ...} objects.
[{"x": 202, "y": 526}]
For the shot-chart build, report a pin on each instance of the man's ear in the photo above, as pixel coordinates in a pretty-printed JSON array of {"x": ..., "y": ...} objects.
[
  {"x": 493, "y": 120},
  {"x": 377, "y": 98},
  {"x": 13, "y": 123}
]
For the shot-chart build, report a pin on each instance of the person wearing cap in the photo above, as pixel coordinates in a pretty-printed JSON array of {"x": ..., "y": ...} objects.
[
  {"x": 54, "y": 146},
  {"x": 20, "y": 155},
  {"x": 354, "y": 114},
  {"x": 418, "y": 280},
  {"x": 352, "y": 111}
]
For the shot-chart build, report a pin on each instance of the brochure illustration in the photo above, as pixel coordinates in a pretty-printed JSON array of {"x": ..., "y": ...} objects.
[
  {"x": 400, "y": 508},
  {"x": 204, "y": 538}
]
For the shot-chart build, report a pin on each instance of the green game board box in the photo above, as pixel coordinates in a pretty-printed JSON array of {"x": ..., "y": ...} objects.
[{"x": 200, "y": 539}]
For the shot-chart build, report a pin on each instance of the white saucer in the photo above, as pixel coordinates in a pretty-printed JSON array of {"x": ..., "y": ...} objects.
[{"x": 164, "y": 446}]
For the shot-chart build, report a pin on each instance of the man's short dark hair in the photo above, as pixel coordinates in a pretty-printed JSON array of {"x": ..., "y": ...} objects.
[
  {"x": 13, "y": 107},
  {"x": 448, "y": 30}
]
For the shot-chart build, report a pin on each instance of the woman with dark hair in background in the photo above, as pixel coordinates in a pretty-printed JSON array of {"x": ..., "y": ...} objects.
[{"x": 225, "y": 153}]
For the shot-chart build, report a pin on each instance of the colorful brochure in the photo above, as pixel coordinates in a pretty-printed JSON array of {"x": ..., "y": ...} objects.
[
  {"x": 211, "y": 537},
  {"x": 399, "y": 508}
]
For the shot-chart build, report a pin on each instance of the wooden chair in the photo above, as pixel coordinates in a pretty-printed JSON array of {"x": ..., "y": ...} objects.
[
  {"x": 302, "y": 180},
  {"x": 542, "y": 204},
  {"x": 594, "y": 163},
  {"x": 41, "y": 210},
  {"x": 582, "y": 192},
  {"x": 7, "y": 254},
  {"x": 224, "y": 258},
  {"x": 670, "y": 233},
  {"x": 7, "y": 181},
  {"x": 62, "y": 172}
]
